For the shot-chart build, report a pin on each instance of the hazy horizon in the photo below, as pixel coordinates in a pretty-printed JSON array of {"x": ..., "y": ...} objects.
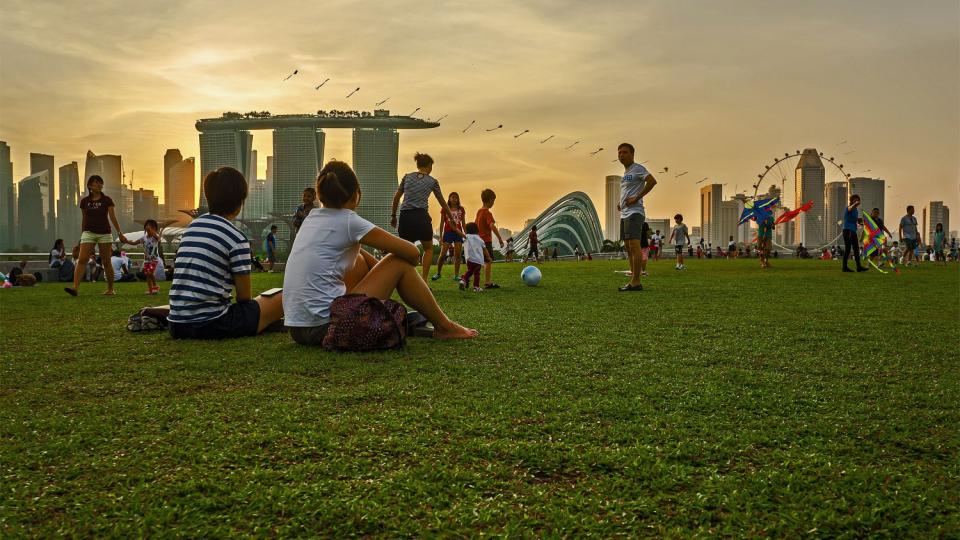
[{"x": 716, "y": 89}]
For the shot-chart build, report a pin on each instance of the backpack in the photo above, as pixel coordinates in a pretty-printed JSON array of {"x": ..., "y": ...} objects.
[
  {"x": 363, "y": 323},
  {"x": 148, "y": 320}
]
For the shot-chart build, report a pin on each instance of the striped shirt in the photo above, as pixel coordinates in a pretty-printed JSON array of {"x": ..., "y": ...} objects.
[
  {"x": 212, "y": 251},
  {"x": 416, "y": 188}
]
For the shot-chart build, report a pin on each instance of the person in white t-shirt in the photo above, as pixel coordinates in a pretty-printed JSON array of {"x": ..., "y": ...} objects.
[
  {"x": 476, "y": 255},
  {"x": 635, "y": 183},
  {"x": 326, "y": 262},
  {"x": 679, "y": 237}
]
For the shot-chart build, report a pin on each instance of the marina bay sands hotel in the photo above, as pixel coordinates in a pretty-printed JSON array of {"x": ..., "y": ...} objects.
[{"x": 298, "y": 144}]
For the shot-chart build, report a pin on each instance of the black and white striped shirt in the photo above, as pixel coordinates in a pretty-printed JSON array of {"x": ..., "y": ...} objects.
[
  {"x": 212, "y": 251},
  {"x": 416, "y": 188}
]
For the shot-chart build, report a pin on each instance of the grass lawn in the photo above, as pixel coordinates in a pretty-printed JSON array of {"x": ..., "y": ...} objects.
[{"x": 723, "y": 400}]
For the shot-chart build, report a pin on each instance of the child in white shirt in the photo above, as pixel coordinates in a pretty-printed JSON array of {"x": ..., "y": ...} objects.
[{"x": 476, "y": 251}]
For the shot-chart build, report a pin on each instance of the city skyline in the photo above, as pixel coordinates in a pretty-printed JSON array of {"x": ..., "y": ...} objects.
[{"x": 690, "y": 96}]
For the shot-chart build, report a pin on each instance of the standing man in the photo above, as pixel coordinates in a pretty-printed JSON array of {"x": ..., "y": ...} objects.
[
  {"x": 850, "y": 240},
  {"x": 271, "y": 245},
  {"x": 634, "y": 185},
  {"x": 909, "y": 236}
]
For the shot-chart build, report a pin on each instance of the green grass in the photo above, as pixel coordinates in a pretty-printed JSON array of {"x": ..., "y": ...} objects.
[{"x": 723, "y": 400}]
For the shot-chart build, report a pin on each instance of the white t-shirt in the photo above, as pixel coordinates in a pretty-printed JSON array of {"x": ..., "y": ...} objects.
[
  {"x": 117, "y": 263},
  {"x": 474, "y": 246},
  {"x": 325, "y": 249},
  {"x": 631, "y": 184},
  {"x": 679, "y": 234}
]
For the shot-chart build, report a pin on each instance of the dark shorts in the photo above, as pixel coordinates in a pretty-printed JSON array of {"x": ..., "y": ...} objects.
[
  {"x": 415, "y": 225},
  {"x": 451, "y": 237},
  {"x": 533, "y": 252},
  {"x": 271, "y": 256},
  {"x": 241, "y": 320},
  {"x": 631, "y": 227},
  {"x": 911, "y": 243},
  {"x": 489, "y": 246},
  {"x": 309, "y": 335}
]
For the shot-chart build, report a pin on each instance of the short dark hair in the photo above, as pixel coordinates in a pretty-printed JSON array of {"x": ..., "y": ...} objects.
[
  {"x": 151, "y": 222},
  {"x": 336, "y": 184},
  {"x": 876, "y": 210},
  {"x": 909, "y": 207},
  {"x": 472, "y": 228},
  {"x": 488, "y": 196},
  {"x": 310, "y": 190},
  {"x": 678, "y": 216},
  {"x": 423, "y": 160},
  {"x": 94, "y": 178},
  {"x": 626, "y": 145},
  {"x": 225, "y": 189},
  {"x": 854, "y": 196},
  {"x": 273, "y": 227}
]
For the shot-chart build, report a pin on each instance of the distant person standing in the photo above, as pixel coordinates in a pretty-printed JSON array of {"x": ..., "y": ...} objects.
[
  {"x": 414, "y": 224},
  {"x": 309, "y": 202},
  {"x": 511, "y": 251},
  {"x": 764, "y": 239},
  {"x": 909, "y": 236},
  {"x": 487, "y": 227},
  {"x": 850, "y": 240},
  {"x": 98, "y": 214},
  {"x": 732, "y": 248},
  {"x": 555, "y": 255},
  {"x": 271, "y": 245},
  {"x": 939, "y": 240},
  {"x": 679, "y": 237},
  {"x": 533, "y": 252},
  {"x": 453, "y": 234},
  {"x": 656, "y": 243},
  {"x": 634, "y": 185}
]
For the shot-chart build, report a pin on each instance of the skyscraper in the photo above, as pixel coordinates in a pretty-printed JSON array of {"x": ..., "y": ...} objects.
[
  {"x": 834, "y": 205},
  {"x": 171, "y": 158},
  {"x": 726, "y": 224},
  {"x": 872, "y": 192},
  {"x": 183, "y": 190},
  {"x": 38, "y": 164},
  {"x": 710, "y": 198},
  {"x": 224, "y": 148},
  {"x": 7, "y": 200},
  {"x": 145, "y": 205},
  {"x": 297, "y": 157},
  {"x": 375, "y": 162},
  {"x": 69, "y": 217},
  {"x": 744, "y": 232},
  {"x": 611, "y": 199},
  {"x": 938, "y": 214},
  {"x": 33, "y": 207},
  {"x": 809, "y": 177}
]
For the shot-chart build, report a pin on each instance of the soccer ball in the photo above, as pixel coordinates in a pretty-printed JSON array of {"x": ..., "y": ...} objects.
[{"x": 531, "y": 275}]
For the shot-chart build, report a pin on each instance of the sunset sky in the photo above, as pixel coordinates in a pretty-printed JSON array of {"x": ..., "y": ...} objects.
[{"x": 716, "y": 88}]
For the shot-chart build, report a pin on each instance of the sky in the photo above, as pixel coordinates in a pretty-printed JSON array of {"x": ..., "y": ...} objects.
[{"x": 713, "y": 88}]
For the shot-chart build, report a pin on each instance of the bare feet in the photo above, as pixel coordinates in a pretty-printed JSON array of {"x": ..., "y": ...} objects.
[
  {"x": 109, "y": 292},
  {"x": 453, "y": 330}
]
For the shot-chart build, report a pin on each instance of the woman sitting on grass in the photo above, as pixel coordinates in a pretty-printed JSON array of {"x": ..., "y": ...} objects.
[
  {"x": 212, "y": 262},
  {"x": 326, "y": 262}
]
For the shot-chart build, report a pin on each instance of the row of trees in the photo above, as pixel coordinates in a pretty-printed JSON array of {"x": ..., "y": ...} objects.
[
  {"x": 344, "y": 114},
  {"x": 230, "y": 115}
]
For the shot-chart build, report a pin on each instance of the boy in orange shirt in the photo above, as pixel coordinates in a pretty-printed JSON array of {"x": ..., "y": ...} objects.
[{"x": 488, "y": 228}]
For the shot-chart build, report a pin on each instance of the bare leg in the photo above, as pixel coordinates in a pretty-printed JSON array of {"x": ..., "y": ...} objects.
[
  {"x": 426, "y": 259},
  {"x": 488, "y": 273},
  {"x": 443, "y": 255},
  {"x": 86, "y": 251},
  {"x": 357, "y": 273},
  {"x": 271, "y": 310},
  {"x": 106, "y": 251},
  {"x": 633, "y": 248},
  {"x": 456, "y": 258},
  {"x": 395, "y": 273}
]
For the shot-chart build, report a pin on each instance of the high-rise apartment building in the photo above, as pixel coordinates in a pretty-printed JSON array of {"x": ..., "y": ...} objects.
[
  {"x": 38, "y": 164},
  {"x": 224, "y": 148},
  {"x": 611, "y": 199},
  {"x": 69, "y": 216},
  {"x": 170, "y": 158},
  {"x": 938, "y": 213},
  {"x": 146, "y": 205},
  {"x": 297, "y": 157},
  {"x": 872, "y": 192},
  {"x": 375, "y": 162},
  {"x": 835, "y": 204},
  {"x": 182, "y": 194},
  {"x": 710, "y": 198},
  {"x": 809, "y": 179},
  {"x": 8, "y": 200},
  {"x": 33, "y": 207},
  {"x": 726, "y": 225},
  {"x": 110, "y": 168}
]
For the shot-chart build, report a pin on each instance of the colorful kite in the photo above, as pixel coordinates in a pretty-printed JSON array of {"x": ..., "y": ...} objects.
[
  {"x": 758, "y": 210},
  {"x": 787, "y": 216}
]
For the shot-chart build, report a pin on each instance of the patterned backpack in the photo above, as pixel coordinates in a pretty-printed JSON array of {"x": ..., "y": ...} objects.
[{"x": 363, "y": 323}]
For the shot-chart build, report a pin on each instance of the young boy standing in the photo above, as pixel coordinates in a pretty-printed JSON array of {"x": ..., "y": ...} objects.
[
  {"x": 476, "y": 255},
  {"x": 680, "y": 237},
  {"x": 487, "y": 227}
]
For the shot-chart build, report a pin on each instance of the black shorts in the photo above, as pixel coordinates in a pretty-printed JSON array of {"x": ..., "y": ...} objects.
[
  {"x": 533, "y": 252},
  {"x": 489, "y": 246},
  {"x": 415, "y": 225},
  {"x": 241, "y": 320}
]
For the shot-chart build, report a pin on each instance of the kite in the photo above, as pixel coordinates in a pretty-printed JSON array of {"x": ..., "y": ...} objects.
[
  {"x": 382, "y": 102},
  {"x": 472, "y": 122},
  {"x": 873, "y": 237},
  {"x": 521, "y": 133},
  {"x": 614, "y": 160},
  {"x": 572, "y": 145},
  {"x": 597, "y": 151},
  {"x": 292, "y": 74},
  {"x": 441, "y": 118},
  {"x": 547, "y": 139},
  {"x": 787, "y": 216},
  {"x": 414, "y": 111},
  {"x": 758, "y": 210},
  {"x": 681, "y": 174},
  {"x": 702, "y": 181},
  {"x": 317, "y": 87},
  {"x": 352, "y": 93},
  {"x": 496, "y": 128}
]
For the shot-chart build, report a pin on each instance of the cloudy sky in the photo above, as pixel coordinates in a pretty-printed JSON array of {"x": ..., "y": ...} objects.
[{"x": 714, "y": 88}]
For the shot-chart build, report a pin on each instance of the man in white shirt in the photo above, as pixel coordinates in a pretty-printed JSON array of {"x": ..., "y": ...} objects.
[
  {"x": 634, "y": 185},
  {"x": 909, "y": 236}
]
